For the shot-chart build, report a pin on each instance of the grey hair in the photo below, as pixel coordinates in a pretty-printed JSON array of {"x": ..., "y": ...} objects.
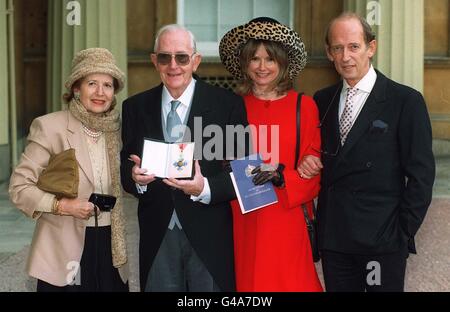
[{"x": 171, "y": 28}]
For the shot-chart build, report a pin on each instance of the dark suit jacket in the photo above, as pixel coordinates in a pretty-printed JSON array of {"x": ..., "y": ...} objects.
[
  {"x": 376, "y": 191},
  {"x": 208, "y": 227}
]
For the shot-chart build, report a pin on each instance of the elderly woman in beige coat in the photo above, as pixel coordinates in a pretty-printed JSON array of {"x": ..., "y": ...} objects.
[{"x": 72, "y": 249}]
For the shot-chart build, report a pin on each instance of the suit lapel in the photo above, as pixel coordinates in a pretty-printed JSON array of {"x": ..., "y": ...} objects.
[
  {"x": 153, "y": 108},
  {"x": 332, "y": 123},
  {"x": 76, "y": 140},
  {"x": 201, "y": 103},
  {"x": 330, "y": 128},
  {"x": 372, "y": 108}
]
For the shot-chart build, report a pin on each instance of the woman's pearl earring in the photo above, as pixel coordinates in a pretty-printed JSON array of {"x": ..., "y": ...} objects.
[{"x": 76, "y": 95}]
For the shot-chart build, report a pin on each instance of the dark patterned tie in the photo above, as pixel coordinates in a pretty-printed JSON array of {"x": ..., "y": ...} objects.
[
  {"x": 345, "y": 123},
  {"x": 173, "y": 120}
]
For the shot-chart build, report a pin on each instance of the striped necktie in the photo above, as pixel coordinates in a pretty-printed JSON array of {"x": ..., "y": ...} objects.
[{"x": 346, "y": 120}]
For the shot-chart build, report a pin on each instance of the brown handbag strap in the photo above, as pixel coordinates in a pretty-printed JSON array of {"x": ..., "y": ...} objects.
[{"x": 297, "y": 133}]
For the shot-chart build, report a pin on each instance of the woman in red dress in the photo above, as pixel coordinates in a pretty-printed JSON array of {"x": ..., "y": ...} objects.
[{"x": 272, "y": 248}]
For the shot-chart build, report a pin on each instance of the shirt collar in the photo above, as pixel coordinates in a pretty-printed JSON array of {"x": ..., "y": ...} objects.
[
  {"x": 185, "y": 98},
  {"x": 366, "y": 83}
]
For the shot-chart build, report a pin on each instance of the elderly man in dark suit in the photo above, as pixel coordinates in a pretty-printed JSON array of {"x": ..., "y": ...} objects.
[
  {"x": 186, "y": 241},
  {"x": 378, "y": 166}
]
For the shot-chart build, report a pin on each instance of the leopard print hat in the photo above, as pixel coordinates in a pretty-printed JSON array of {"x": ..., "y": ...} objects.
[{"x": 262, "y": 28}]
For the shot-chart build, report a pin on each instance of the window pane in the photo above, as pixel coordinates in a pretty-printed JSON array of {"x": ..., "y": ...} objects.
[
  {"x": 201, "y": 19},
  {"x": 209, "y": 20},
  {"x": 278, "y": 10},
  {"x": 233, "y": 13}
]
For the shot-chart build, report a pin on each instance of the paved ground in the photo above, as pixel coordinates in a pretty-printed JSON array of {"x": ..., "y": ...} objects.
[{"x": 427, "y": 271}]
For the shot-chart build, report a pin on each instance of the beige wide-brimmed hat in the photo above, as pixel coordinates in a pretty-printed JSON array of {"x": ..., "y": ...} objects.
[
  {"x": 262, "y": 28},
  {"x": 94, "y": 61}
]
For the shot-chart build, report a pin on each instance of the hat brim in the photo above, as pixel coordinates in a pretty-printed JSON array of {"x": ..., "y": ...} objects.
[
  {"x": 233, "y": 41},
  {"x": 82, "y": 72}
]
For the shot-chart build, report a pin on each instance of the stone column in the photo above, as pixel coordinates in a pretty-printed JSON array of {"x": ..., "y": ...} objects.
[
  {"x": 77, "y": 25},
  {"x": 4, "y": 64},
  {"x": 8, "y": 125},
  {"x": 399, "y": 26}
]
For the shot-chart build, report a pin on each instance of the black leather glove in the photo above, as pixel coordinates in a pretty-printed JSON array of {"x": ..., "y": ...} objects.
[{"x": 266, "y": 172}]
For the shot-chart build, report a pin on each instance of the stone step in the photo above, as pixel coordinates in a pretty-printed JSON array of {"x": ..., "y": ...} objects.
[{"x": 441, "y": 148}]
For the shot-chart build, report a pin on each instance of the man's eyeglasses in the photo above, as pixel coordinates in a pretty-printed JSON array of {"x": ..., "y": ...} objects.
[
  {"x": 321, "y": 124},
  {"x": 329, "y": 153},
  {"x": 181, "y": 59}
]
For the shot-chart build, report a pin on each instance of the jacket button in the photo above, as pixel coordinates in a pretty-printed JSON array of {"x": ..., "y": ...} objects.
[{"x": 368, "y": 164}]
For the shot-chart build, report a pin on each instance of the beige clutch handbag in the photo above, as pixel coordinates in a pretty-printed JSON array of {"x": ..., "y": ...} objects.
[{"x": 61, "y": 175}]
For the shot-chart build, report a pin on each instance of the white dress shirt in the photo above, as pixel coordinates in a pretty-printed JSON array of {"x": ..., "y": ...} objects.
[
  {"x": 183, "y": 108},
  {"x": 364, "y": 87}
]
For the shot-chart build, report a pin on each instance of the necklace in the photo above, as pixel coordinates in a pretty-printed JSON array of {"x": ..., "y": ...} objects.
[
  {"x": 95, "y": 135},
  {"x": 263, "y": 93}
]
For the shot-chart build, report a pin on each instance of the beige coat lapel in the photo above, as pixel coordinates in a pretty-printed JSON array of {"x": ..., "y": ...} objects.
[{"x": 77, "y": 141}]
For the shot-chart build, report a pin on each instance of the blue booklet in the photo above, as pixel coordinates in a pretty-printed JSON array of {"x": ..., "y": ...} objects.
[{"x": 250, "y": 196}]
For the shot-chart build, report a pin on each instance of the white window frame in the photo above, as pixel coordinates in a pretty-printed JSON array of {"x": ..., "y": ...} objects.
[{"x": 210, "y": 49}]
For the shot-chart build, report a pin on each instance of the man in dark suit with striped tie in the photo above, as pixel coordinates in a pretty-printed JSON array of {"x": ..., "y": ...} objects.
[{"x": 378, "y": 166}]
